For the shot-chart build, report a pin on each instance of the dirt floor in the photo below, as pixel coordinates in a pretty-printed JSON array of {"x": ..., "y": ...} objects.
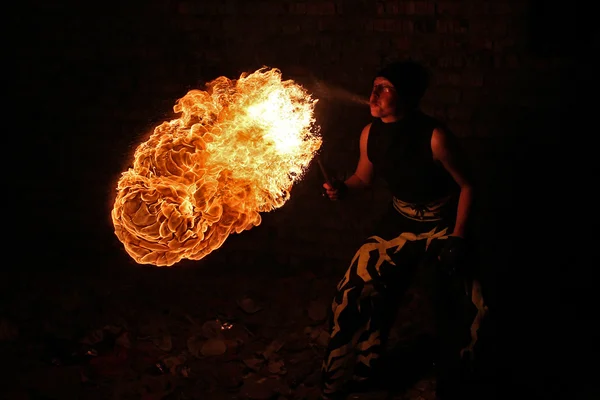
[{"x": 191, "y": 332}]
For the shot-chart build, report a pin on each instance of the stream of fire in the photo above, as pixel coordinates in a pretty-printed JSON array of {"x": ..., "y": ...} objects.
[{"x": 236, "y": 150}]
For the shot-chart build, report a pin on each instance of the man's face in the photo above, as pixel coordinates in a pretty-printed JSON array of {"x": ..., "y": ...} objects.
[{"x": 383, "y": 100}]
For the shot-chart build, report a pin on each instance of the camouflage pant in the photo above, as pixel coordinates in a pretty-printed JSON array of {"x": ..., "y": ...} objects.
[{"x": 364, "y": 306}]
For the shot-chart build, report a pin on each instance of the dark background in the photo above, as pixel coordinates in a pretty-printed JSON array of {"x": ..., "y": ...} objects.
[{"x": 92, "y": 81}]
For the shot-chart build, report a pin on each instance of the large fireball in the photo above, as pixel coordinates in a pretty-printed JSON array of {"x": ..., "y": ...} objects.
[{"x": 235, "y": 151}]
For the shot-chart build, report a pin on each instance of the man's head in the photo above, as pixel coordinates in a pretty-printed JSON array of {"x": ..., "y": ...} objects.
[{"x": 398, "y": 88}]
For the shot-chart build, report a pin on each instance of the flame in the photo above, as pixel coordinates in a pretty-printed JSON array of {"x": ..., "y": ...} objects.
[{"x": 235, "y": 151}]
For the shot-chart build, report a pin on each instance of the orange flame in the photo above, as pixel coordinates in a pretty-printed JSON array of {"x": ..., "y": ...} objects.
[{"x": 235, "y": 151}]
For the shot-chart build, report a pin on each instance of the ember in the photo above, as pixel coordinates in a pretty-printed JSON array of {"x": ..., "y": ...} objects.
[{"x": 235, "y": 151}]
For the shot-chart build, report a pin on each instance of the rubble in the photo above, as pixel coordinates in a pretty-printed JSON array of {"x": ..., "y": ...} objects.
[{"x": 194, "y": 341}]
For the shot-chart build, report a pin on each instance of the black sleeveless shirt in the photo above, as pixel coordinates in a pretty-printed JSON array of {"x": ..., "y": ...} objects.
[{"x": 401, "y": 154}]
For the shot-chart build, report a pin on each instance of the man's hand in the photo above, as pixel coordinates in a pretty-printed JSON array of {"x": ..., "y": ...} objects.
[{"x": 336, "y": 190}]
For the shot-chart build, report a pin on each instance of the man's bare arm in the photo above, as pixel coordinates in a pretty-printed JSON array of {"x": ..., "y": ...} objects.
[
  {"x": 363, "y": 175},
  {"x": 445, "y": 151}
]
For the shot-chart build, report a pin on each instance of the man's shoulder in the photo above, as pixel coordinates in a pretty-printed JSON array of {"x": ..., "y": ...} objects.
[
  {"x": 434, "y": 123},
  {"x": 366, "y": 129},
  {"x": 431, "y": 119}
]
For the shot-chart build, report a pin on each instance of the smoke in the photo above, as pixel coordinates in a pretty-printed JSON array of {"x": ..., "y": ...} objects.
[{"x": 324, "y": 90}]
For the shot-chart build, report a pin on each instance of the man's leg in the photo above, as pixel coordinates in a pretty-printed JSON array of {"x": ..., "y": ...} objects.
[
  {"x": 390, "y": 270},
  {"x": 351, "y": 320},
  {"x": 348, "y": 322},
  {"x": 454, "y": 314}
]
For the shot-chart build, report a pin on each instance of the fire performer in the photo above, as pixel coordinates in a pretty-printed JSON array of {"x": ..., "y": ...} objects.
[{"x": 417, "y": 157}]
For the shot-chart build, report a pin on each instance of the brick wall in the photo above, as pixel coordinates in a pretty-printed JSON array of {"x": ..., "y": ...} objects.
[
  {"x": 102, "y": 78},
  {"x": 91, "y": 82}
]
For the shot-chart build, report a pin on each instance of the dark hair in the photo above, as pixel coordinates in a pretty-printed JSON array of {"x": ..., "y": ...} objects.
[{"x": 410, "y": 79}]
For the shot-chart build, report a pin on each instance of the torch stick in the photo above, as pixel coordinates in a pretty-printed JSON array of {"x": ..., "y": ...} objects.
[
  {"x": 324, "y": 172},
  {"x": 344, "y": 217}
]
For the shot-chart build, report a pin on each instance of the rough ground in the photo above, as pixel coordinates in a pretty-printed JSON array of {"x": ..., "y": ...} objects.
[{"x": 198, "y": 331}]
